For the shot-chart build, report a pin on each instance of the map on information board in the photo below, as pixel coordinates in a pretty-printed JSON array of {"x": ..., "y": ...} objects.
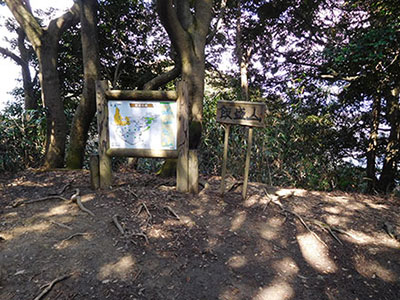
[{"x": 142, "y": 124}]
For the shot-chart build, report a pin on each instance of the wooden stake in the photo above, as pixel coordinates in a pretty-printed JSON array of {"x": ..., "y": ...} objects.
[
  {"x": 94, "y": 171},
  {"x": 247, "y": 164},
  {"x": 182, "y": 167},
  {"x": 193, "y": 172},
  {"x": 102, "y": 125},
  {"x": 225, "y": 158}
]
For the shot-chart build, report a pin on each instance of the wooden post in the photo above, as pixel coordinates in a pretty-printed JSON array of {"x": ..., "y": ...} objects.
[
  {"x": 182, "y": 167},
  {"x": 193, "y": 172},
  {"x": 94, "y": 171},
  {"x": 105, "y": 170},
  {"x": 247, "y": 164},
  {"x": 225, "y": 158}
]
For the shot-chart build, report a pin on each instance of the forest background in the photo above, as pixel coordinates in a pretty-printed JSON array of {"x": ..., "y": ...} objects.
[{"x": 328, "y": 71}]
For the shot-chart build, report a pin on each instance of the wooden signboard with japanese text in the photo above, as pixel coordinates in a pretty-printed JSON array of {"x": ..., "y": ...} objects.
[
  {"x": 136, "y": 123},
  {"x": 250, "y": 114},
  {"x": 241, "y": 113}
]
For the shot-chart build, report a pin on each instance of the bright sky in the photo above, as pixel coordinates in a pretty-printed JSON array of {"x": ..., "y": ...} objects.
[{"x": 10, "y": 72}]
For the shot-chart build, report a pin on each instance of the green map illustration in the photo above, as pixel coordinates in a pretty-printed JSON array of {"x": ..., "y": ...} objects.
[{"x": 142, "y": 124}]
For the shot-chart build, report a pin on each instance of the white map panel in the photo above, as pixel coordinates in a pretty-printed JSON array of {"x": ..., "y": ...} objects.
[{"x": 142, "y": 124}]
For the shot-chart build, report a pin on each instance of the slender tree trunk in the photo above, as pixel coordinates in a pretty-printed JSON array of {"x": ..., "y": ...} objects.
[
  {"x": 244, "y": 85},
  {"x": 389, "y": 169},
  {"x": 87, "y": 106},
  {"x": 29, "y": 98},
  {"x": 373, "y": 144}
]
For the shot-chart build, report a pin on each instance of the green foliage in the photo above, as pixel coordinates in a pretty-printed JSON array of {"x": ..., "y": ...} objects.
[
  {"x": 300, "y": 146},
  {"x": 22, "y": 135}
]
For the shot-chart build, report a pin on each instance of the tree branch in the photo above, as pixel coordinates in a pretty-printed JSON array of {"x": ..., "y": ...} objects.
[
  {"x": 168, "y": 17},
  {"x": 221, "y": 14},
  {"x": 164, "y": 78},
  {"x": 13, "y": 56},
  {"x": 203, "y": 15},
  {"x": 60, "y": 24},
  {"x": 27, "y": 21}
]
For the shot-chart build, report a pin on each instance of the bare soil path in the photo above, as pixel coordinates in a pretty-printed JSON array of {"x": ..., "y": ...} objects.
[{"x": 279, "y": 244}]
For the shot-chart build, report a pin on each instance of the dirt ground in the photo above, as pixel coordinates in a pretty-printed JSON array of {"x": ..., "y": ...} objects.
[{"x": 178, "y": 246}]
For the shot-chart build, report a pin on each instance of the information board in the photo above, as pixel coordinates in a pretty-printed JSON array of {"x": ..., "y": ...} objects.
[{"x": 142, "y": 124}]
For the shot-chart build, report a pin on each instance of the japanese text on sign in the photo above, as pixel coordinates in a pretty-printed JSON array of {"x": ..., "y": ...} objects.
[{"x": 241, "y": 113}]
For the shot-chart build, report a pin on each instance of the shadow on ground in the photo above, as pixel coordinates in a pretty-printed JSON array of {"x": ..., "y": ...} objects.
[{"x": 177, "y": 246}]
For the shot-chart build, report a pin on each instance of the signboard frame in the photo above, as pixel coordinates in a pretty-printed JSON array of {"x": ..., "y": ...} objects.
[
  {"x": 249, "y": 114},
  {"x": 145, "y": 152},
  {"x": 187, "y": 160}
]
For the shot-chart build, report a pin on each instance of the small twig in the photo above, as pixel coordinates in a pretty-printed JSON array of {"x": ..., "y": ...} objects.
[
  {"x": 128, "y": 190},
  {"x": 137, "y": 275},
  {"x": 50, "y": 286},
  {"x": 61, "y": 225},
  {"x": 18, "y": 203},
  {"x": 117, "y": 224},
  {"x": 74, "y": 235},
  {"x": 168, "y": 208}
]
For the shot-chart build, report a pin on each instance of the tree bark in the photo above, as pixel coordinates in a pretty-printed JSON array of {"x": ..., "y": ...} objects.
[
  {"x": 389, "y": 169},
  {"x": 29, "y": 98},
  {"x": 242, "y": 57},
  {"x": 45, "y": 44},
  {"x": 187, "y": 24},
  {"x": 91, "y": 68},
  {"x": 373, "y": 145},
  {"x": 187, "y": 27}
]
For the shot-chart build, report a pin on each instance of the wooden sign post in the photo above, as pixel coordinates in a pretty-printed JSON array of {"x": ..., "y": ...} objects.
[
  {"x": 144, "y": 124},
  {"x": 250, "y": 114}
]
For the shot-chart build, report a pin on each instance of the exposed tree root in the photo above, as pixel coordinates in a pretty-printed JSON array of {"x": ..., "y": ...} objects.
[
  {"x": 74, "y": 235},
  {"x": 143, "y": 235},
  {"x": 118, "y": 225},
  {"x": 172, "y": 212},
  {"x": 143, "y": 206},
  {"x": 51, "y": 285},
  {"x": 278, "y": 203},
  {"x": 18, "y": 203},
  {"x": 77, "y": 199}
]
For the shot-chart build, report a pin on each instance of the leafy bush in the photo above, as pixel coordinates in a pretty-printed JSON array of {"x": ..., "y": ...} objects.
[{"x": 22, "y": 135}]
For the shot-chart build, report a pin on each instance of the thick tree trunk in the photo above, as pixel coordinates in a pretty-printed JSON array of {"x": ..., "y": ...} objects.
[
  {"x": 373, "y": 145},
  {"x": 187, "y": 24},
  {"x": 56, "y": 121},
  {"x": 389, "y": 169},
  {"x": 87, "y": 106},
  {"x": 45, "y": 43}
]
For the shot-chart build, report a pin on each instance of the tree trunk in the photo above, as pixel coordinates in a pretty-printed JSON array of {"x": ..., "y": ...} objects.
[
  {"x": 56, "y": 121},
  {"x": 389, "y": 169},
  {"x": 241, "y": 57},
  {"x": 29, "y": 98},
  {"x": 187, "y": 24},
  {"x": 87, "y": 106},
  {"x": 45, "y": 43},
  {"x": 373, "y": 144}
]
